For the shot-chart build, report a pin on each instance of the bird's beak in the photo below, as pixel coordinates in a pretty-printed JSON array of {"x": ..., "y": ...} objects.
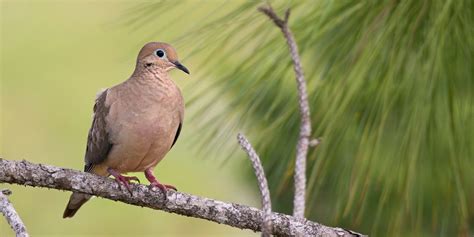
[{"x": 181, "y": 67}]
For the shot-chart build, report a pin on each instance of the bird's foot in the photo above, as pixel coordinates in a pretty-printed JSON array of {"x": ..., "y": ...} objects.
[
  {"x": 125, "y": 180},
  {"x": 163, "y": 187},
  {"x": 155, "y": 183}
]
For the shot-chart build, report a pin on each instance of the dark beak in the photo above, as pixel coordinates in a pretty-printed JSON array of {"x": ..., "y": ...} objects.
[{"x": 181, "y": 67}]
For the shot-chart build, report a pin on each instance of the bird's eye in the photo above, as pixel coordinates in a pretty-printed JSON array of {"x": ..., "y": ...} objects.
[{"x": 160, "y": 53}]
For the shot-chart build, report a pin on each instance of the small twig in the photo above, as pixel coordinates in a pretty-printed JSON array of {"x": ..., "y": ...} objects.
[
  {"x": 287, "y": 15},
  {"x": 262, "y": 184},
  {"x": 13, "y": 219},
  {"x": 268, "y": 10},
  {"x": 305, "y": 126}
]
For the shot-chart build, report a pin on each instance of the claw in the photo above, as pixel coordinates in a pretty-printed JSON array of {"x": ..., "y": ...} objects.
[
  {"x": 125, "y": 180},
  {"x": 171, "y": 187},
  {"x": 154, "y": 183}
]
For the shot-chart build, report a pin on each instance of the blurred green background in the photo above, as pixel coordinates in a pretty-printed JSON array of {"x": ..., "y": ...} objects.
[
  {"x": 55, "y": 56},
  {"x": 390, "y": 85}
]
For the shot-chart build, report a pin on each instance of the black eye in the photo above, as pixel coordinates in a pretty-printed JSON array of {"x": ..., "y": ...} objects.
[{"x": 160, "y": 53}]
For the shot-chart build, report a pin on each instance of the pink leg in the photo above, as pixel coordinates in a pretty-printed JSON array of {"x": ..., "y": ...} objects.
[
  {"x": 125, "y": 180},
  {"x": 154, "y": 183}
]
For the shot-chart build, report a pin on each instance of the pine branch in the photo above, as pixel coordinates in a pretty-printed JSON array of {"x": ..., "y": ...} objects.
[
  {"x": 13, "y": 219},
  {"x": 262, "y": 184},
  {"x": 305, "y": 126},
  {"x": 231, "y": 214}
]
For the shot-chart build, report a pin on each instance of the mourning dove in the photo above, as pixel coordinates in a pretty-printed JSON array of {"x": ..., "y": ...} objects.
[{"x": 135, "y": 122}]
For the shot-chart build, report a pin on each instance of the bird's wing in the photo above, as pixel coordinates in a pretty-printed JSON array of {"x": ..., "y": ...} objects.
[
  {"x": 181, "y": 116},
  {"x": 177, "y": 134},
  {"x": 98, "y": 143}
]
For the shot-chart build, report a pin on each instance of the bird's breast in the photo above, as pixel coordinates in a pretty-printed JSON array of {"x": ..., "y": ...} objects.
[{"x": 145, "y": 132}]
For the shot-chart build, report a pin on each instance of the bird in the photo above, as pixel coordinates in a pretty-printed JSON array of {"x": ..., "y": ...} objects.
[{"x": 135, "y": 123}]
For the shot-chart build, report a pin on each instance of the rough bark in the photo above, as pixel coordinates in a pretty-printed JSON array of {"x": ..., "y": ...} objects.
[
  {"x": 262, "y": 184},
  {"x": 10, "y": 214},
  {"x": 236, "y": 215}
]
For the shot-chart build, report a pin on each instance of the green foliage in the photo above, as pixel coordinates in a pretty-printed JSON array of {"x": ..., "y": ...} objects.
[{"x": 392, "y": 96}]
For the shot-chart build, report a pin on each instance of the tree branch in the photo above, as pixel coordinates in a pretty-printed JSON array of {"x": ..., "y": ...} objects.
[
  {"x": 231, "y": 214},
  {"x": 13, "y": 219},
  {"x": 262, "y": 184},
  {"x": 305, "y": 126}
]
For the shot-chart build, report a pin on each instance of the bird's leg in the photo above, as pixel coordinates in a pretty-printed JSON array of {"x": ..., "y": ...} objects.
[
  {"x": 125, "y": 180},
  {"x": 154, "y": 183}
]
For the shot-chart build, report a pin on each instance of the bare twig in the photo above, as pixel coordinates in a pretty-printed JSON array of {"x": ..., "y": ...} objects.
[
  {"x": 13, "y": 219},
  {"x": 231, "y": 214},
  {"x": 305, "y": 126},
  {"x": 262, "y": 184}
]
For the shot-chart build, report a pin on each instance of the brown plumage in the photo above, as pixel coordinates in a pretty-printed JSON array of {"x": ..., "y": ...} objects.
[{"x": 135, "y": 122}]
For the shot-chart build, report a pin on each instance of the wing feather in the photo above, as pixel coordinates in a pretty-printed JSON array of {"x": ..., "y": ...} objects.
[
  {"x": 177, "y": 134},
  {"x": 98, "y": 143}
]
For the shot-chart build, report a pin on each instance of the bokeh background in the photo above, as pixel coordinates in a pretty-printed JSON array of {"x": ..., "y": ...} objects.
[
  {"x": 391, "y": 91},
  {"x": 55, "y": 56}
]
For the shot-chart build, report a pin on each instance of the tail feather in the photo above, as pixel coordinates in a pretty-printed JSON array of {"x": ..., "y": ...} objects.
[{"x": 75, "y": 202}]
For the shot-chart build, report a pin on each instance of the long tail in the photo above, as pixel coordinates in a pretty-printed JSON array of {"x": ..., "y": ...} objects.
[
  {"x": 75, "y": 202},
  {"x": 78, "y": 199}
]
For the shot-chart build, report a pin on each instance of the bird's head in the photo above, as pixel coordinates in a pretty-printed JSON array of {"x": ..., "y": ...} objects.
[{"x": 161, "y": 57}]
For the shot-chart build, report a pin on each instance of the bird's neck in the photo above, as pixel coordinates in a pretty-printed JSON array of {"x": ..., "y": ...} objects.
[
  {"x": 153, "y": 82},
  {"x": 151, "y": 74}
]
